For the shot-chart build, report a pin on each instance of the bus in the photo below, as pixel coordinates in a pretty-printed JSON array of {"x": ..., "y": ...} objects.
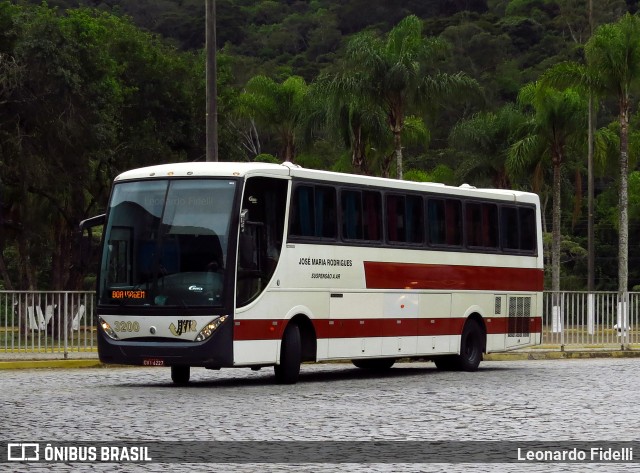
[{"x": 254, "y": 265}]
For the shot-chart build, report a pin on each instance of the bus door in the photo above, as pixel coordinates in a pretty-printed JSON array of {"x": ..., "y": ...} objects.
[{"x": 260, "y": 240}]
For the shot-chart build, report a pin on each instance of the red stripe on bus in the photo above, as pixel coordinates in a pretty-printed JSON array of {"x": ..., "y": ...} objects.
[
  {"x": 259, "y": 329},
  {"x": 393, "y": 327},
  {"x": 451, "y": 277}
]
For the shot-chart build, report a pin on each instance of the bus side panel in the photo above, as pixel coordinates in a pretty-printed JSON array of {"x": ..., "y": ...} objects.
[
  {"x": 434, "y": 324},
  {"x": 355, "y": 324},
  {"x": 255, "y": 352},
  {"x": 400, "y": 332}
]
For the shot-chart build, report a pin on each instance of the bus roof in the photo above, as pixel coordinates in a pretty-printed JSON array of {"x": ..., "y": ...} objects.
[{"x": 241, "y": 169}]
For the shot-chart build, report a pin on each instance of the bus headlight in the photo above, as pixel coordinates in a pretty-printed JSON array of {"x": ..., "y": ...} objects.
[
  {"x": 107, "y": 328},
  {"x": 211, "y": 327}
]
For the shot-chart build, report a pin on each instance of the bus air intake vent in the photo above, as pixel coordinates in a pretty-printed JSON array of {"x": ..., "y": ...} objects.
[
  {"x": 498, "y": 307},
  {"x": 519, "y": 314}
]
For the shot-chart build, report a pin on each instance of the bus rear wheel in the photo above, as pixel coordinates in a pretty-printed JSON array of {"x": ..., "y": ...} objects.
[
  {"x": 471, "y": 347},
  {"x": 288, "y": 371},
  {"x": 180, "y": 374},
  {"x": 374, "y": 364}
]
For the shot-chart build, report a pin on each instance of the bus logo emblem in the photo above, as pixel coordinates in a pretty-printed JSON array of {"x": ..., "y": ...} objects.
[{"x": 184, "y": 326}]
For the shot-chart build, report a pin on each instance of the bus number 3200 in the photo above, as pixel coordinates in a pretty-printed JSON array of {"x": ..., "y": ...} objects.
[{"x": 126, "y": 326}]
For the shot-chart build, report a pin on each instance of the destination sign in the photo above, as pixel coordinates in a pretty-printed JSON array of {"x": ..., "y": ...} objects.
[{"x": 122, "y": 294}]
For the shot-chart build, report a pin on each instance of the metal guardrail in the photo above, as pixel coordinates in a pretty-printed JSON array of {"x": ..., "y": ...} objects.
[
  {"x": 63, "y": 322},
  {"x": 47, "y": 322},
  {"x": 591, "y": 319}
]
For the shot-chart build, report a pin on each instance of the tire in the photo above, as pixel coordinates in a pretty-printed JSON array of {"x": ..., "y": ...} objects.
[
  {"x": 288, "y": 371},
  {"x": 374, "y": 364},
  {"x": 180, "y": 374},
  {"x": 471, "y": 347}
]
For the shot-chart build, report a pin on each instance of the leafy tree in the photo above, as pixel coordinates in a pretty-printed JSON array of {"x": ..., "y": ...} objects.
[
  {"x": 486, "y": 138},
  {"x": 613, "y": 58},
  {"x": 338, "y": 107},
  {"x": 87, "y": 94},
  {"x": 553, "y": 133},
  {"x": 441, "y": 173},
  {"x": 612, "y": 71},
  {"x": 277, "y": 107},
  {"x": 398, "y": 73}
]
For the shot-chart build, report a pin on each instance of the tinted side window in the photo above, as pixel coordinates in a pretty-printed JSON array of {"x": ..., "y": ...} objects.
[
  {"x": 303, "y": 212},
  {"x": 527, "y": 229},
  {"x": 314, "y": 212},
  {"x": 481, "y": 225},
  {"x": 518, "y": 228},
  {"x": 325, "y": 211},
  {"x": 404, "y": 219},
  {"x": 444, "y": 222},
  {"x": 361, "y": 219},
  {"x": 509, "y": 228}
]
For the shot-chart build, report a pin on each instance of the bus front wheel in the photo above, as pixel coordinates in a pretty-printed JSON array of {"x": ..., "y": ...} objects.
[
  {"x": 288, "y": 371},
  {"x": 180, "y": 374}
]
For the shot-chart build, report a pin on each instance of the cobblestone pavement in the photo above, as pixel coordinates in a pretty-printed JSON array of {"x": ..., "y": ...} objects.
[{"x": 552, "y": 400}]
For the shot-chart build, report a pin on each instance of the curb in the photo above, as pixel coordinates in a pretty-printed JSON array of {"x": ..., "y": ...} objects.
[
  {"x": 561, "y": 355},
  {"x": 46, "y": 364},
  {"x": 508, "y": 356}
]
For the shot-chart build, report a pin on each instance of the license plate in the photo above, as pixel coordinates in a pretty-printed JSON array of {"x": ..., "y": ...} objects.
[{"x": 152, "y": 362}]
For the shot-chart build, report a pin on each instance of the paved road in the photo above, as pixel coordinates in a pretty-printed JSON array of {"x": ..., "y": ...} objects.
[{"x": 554, "y": 400}]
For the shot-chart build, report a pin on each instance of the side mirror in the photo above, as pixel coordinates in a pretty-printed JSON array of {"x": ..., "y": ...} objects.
[
  {"x": 92, "y": 222},
  {"x": 85, "y": 241}
]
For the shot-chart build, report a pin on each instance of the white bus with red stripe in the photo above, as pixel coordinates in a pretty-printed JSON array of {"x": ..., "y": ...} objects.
[{"x": 250, "y": 265}]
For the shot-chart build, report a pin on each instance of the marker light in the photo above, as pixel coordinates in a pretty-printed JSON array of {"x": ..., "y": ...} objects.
[
  {"x": 107, "y": 328},
  {"x": 211, "y": 327}
]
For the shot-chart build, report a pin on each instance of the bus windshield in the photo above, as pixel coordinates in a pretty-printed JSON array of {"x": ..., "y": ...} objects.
[{"x": 166, "y": 243}]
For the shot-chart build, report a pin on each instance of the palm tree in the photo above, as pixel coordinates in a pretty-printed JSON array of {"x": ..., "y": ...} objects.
[
  {"x": 612, "y": 70},
  {"x": 337, "y": 106},
  {"x": 485, "y": 138},
  {"x": 552, "y": 134},
  {"x": 613, "y": 58},
  {"x": 276, "y": 106},
  {"x": 399, "y": 74}
]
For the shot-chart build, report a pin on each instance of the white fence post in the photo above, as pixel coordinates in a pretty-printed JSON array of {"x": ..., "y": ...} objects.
[{"x": 591, "y": 313}]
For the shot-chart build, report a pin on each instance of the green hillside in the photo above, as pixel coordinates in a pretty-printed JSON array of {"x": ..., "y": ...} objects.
[{"x": 91, "y": 88}]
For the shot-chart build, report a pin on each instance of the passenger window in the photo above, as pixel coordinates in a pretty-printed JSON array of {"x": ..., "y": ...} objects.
[
  {"x": 361, "y": 215},
  {"x": 444, "y": 222},
  {"x": 481, "y": 225},
  {"x": 510, "y": 228},
  {"x": 351, "y": 215},
  {"x": 404, "y": 219},
  {"x": 527, "y": 229},
  {"x": 314, "y": 212},
  {"x": 518, "y": 228}
]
